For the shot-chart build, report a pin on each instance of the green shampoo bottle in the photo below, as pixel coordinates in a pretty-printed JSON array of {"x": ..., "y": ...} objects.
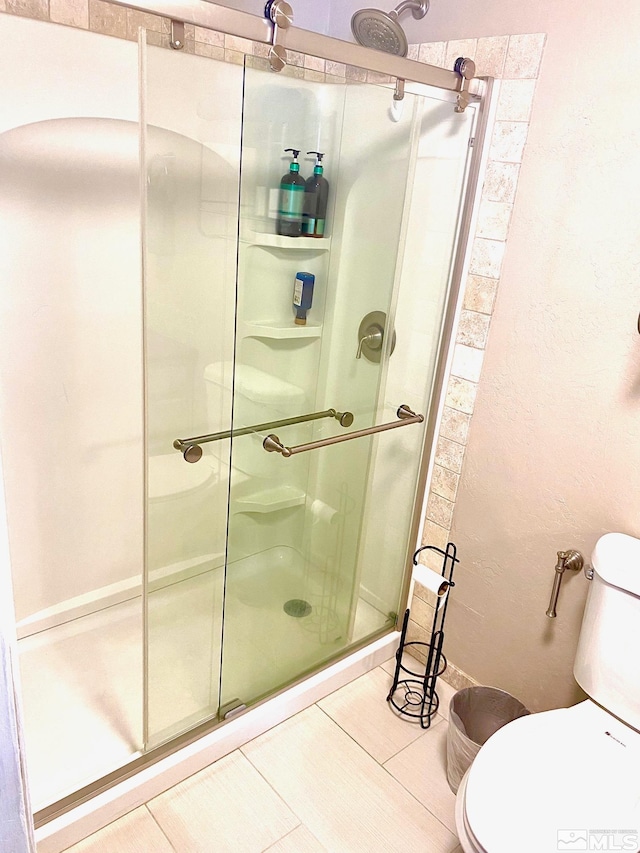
[
  {"x": 316, "y": 197},
  {"x": 291, "y": 204}
]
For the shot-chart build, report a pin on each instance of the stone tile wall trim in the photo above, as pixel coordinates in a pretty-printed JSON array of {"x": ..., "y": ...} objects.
[{"x": 516, "y": 61}]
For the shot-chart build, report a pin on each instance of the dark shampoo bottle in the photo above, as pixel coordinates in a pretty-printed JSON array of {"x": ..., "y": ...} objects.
[
  {"x": 316, "y": 197},
  {"x": 291, "y": 201}
]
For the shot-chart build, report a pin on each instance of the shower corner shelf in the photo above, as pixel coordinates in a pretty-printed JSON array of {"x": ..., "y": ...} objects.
[
  {"x": 255, "y": 384},
  {"x": 279, "y": 331},
  {"x": 271, "y": 500},
  {"x": 276, "y": 241}
]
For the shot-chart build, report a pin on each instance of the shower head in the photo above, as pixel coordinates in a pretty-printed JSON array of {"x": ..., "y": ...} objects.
[{"x": 382, "y": 30}]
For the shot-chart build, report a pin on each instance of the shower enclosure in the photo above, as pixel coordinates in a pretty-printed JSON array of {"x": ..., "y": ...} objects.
[{"x": 206, "y": 501}]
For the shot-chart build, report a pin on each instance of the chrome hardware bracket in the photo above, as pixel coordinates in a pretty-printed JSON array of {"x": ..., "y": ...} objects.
[
  {"x": 280, "y": 14},
  {"x": 406, "y": 416},
  {"x": 231, "y": 709},
  {"x": 192, "y": 452},
  {"x": 466, "y": 69},
  {"x": 571, "y": 559},
  {"x": 177, "y": 35},
  {"x": 398, "y": 94}
]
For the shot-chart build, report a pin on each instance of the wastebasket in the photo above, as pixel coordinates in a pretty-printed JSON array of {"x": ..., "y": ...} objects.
[{"x": 476, "y": 713}]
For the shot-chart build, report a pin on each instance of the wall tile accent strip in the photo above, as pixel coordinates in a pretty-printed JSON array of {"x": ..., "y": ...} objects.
[
  {"x": 516, "y": 61},
  {"x": 513, "y": 59}
]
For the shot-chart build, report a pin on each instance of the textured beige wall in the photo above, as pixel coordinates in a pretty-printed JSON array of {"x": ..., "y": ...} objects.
[{"x": 553, "y": 452}]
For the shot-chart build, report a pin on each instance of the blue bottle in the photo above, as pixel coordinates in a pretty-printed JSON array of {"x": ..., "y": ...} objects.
[{"x": 303, "y": 296}]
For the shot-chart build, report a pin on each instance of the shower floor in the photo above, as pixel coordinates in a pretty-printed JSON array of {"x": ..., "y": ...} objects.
[{"x": 82, "y": 682}]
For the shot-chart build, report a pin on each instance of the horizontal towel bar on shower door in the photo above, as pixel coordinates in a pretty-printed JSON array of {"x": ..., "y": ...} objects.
[
  {"x": 191, "y": 450},
  {"x": 272, "y": 443}
]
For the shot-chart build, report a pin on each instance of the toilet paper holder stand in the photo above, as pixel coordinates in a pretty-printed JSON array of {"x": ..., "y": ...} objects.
[{"x": 413, "y": 693}]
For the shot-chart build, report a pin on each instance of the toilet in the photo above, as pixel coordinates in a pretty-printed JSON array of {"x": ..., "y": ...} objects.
[{"x": 569, "y": 779}]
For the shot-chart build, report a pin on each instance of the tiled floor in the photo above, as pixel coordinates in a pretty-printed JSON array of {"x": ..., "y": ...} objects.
[{"x": 345, "y": 775}]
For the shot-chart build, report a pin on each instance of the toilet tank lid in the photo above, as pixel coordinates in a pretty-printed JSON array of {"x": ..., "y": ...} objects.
[{"x": 616, "y": 559}]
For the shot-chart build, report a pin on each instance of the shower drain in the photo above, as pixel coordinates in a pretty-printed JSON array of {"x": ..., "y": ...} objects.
[{"x": 297, "y": 607}]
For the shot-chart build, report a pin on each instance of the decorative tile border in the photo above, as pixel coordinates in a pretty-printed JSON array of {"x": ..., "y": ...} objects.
[{"x": 515, "y": 60}]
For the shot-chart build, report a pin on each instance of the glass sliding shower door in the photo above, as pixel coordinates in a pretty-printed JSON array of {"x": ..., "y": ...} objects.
[
  {"x": 297, "y": 590},
  {"x": 267, "y": 557},
  {"x": 192, "y": 122}
]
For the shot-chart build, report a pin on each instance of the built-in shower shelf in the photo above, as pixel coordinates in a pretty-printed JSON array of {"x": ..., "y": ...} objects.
[
  {"x": 294, "y": 244},
  {"x": 279, "y": 331},
  {"x": 254, "y": 384},
  {"x": 271, "y": 500}
]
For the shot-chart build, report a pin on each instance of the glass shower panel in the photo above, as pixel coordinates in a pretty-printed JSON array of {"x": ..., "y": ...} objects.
[
  {"x": 432, "y": 217},
  {"x": 70, "y": 395},
  {"x": 295, "y": 524},
  {"x": 192, "y": 123}
]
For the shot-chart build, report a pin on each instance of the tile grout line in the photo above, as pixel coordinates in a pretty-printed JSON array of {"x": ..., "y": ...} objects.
[
  {"x": 426, "y": 808},
  {"x": 415, "y": 740},
  {"x": 291, "y": 831},
  {"x": 348, "y": 734},
  {"x": 384, "y": 767},
  {"x": 397, "y": 715},
  {"x": 240, "y": 749},
  {"x": 368, "y": 755},
  {"x": 157, "y": 823},
  {"x": 359, "y": 745},
  {"x": 391, "y": 776}
]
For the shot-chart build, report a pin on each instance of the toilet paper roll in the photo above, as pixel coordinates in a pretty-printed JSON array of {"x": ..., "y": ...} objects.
[
  {"x": 320, "y": 511},
  {"x": 432, "y": 581}
]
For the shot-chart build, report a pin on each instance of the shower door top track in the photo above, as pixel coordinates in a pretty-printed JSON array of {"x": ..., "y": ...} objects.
[{"x": 212, "y": 16}]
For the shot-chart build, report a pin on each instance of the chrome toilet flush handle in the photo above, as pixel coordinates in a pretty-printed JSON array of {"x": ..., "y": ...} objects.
[{"x": 570, "y": 559}]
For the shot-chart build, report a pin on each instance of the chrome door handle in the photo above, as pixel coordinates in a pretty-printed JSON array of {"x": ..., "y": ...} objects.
[
  {"x": 272, "y": 443},
  {"x": 192, "y": 452}
]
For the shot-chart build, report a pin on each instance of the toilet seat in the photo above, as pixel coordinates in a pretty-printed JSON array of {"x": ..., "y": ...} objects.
[
  {"x": 469, "y": 842},
  {"x": 571, "y": 769}
]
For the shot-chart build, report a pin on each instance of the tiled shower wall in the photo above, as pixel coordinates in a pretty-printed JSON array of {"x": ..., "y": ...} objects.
[{"x": 513, "y": 59}]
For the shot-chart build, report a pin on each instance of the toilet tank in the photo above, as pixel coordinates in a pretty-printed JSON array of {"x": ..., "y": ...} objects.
[{"x": 607, "y": 664}]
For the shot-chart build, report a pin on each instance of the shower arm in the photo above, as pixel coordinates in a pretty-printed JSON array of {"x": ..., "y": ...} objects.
[
  {"x": 192, "y": 452},
  {"x": 419, "y": 9}
]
